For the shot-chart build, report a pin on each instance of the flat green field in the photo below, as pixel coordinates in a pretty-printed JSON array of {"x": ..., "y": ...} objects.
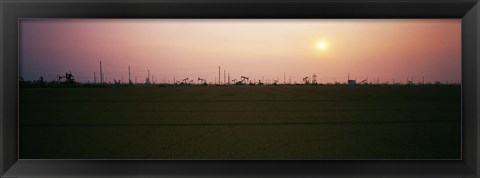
[{"x": 241, "y": 122}]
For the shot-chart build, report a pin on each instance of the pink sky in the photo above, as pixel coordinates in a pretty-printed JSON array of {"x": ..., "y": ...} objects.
[{"x": 388, "y": 49}]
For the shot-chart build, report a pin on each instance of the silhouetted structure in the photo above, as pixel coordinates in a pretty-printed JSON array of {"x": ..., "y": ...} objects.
[
  {"x": 306, "y": 81},
  {"x": 314, "y": 79},
  {"x": 68, "y": 78},
  {"x": 203, "y": 81}
]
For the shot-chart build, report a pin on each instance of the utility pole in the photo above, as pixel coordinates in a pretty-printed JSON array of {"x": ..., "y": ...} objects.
[
  {"x": 284, "y": 78},
  {"x": 219, "y": 81},
  {"x": 224, "y": 76},
  {"x": 94, "y": 78},
  {"x": 101, "y": 73},
  {"x": 229, "y": 78}
]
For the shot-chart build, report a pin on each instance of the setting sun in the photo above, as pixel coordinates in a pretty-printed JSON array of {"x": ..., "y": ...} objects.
[{"x": 321, "y": 45}]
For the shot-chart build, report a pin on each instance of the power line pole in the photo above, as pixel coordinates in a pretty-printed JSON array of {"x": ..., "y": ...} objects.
[
  {"x": 94, "y": 78},
  {"x": 219, "y": 80},
  {"x": 229, "y": 78},
  {"x": 224, "y": 76},
  {"x": 284, "y": 78}
]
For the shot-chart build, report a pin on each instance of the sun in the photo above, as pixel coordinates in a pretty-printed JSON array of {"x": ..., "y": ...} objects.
[{"x": 322, "y": 45}]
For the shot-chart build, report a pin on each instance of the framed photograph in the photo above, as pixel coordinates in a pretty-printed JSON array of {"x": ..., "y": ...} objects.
[{"x": 240, "y": 88}]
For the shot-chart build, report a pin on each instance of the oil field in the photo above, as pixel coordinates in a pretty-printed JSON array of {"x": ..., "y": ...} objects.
[
  {"x": 240, "y": 89},
  {"x": 242, "y": 122}
]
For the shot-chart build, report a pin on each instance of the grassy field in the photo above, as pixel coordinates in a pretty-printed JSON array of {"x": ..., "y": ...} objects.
[{"x": 241, "y": 122}]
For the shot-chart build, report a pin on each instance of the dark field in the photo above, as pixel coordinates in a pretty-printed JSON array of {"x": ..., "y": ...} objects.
[{"x": 242, "y": 122}]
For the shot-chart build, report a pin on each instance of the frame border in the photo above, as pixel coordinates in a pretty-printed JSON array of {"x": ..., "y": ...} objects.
[{"x": 12, "y": 10}]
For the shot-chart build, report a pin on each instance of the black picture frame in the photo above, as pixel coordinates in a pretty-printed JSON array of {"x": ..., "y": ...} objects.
[{"x": 467, "y": 10}]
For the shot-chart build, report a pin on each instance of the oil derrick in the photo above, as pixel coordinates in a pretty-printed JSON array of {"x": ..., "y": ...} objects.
[
  {"x": 203, "y": 81},
  {"x": 409, "y": 82},
  {"x": 219, "y": 80},
  {"x": 365, "y": 82},
  {"x": 41, "y": 80},
  {"x": 69, "y": 78},
  {"x": 129, "y": 80},
  {"x": 147, "y": 80},
  {"x": 305, "y": 80},
  {"x": 314, "y": 79},
  {"x": 185, "y": 81},
  {"x": 101, "y": 73},
  {"x": 244, "y": 80}
]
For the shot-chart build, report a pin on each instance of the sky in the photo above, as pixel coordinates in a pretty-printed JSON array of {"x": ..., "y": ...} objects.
[{"x": 388, "y": 50}]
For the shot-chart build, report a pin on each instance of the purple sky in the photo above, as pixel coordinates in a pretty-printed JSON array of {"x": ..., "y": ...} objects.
[{"x": 388, "y": 49}]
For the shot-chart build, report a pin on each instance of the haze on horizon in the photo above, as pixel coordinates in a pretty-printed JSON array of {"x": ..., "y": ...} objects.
[{"x": 387, "y": 49}]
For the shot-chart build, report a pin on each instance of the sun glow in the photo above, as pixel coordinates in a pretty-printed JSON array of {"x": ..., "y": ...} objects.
[{"x": 322, "y": 45}]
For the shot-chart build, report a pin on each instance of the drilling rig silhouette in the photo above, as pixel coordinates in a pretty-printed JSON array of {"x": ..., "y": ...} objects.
[
  {"x": 241, "y": 82},
  {"x": 203, "y": 81},
  {"x": 68, "y": 78},
  {"x": 306, "y": 81}
]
